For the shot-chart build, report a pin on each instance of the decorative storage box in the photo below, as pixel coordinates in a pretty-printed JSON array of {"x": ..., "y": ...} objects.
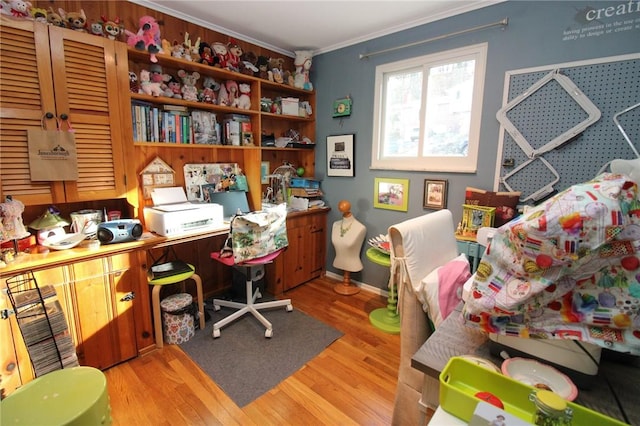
[
  {"x": 474, "y": 218},
  {"x": 461, "y": 379},
  {"x": 290, "y": 106},
  {"x": 178, "y": 318}
]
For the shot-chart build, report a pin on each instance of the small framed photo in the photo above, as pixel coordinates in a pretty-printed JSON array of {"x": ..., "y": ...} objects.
[
  {"x": 435, "y": 194},
  {"x": 340, "y": 155},
  {"x": 391, "y": 194},
  {"x": 264, "y": 172}
]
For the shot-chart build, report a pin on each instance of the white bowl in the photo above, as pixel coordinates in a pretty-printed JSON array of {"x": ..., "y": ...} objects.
[
  {"x": 64, "y": 241},
  {"x": 539, "y": 375}
]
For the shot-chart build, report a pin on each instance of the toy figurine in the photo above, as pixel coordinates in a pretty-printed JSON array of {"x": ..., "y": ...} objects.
[
  {"x": 19, "y": 8},
  {"x": 234, "y": 52},
  {"x": 244, "y": 100},
  {"x": 303, "y": 65},
  {"x": 147, "y": 38},
  {"x": 221, "y": 53},
  {"x": 112, "y": 27},
  {"x": 147, "y": 86},
  {"x": 189, "y": 90},
  {"x": 97, "y": 29},
  {"x": 74, "y": 20},
  {"x": 206, "y": 54},
  {"x": 54, "y": 18}
]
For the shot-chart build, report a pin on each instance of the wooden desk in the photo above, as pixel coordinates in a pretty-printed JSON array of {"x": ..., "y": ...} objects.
[{"x": 453, "y": 338}]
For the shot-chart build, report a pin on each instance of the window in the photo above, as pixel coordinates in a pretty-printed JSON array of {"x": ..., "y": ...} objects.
[{"x": 427, "y": 112}]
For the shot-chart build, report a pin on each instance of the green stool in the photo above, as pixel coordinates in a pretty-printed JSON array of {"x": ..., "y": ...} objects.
[
  {"x": 73, "y": 396},
  {"x": 158, "y": 283}
]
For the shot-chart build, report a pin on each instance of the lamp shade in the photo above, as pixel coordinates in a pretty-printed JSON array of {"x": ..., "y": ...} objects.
[{"x": 48, "y": 220}]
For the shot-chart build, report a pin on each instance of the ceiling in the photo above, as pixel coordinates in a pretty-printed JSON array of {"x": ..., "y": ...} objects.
[{"x": 320, "y": 26}]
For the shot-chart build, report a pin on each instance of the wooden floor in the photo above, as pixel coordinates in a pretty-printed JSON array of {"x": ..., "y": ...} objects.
[{"x": 352, "y": 382}]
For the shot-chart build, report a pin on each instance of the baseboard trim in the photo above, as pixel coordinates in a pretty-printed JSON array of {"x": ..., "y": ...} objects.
[{"x": 363, "y": 286}]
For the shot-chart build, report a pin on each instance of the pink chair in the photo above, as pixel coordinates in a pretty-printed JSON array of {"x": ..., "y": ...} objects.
[{"x": 253, "y": 270}]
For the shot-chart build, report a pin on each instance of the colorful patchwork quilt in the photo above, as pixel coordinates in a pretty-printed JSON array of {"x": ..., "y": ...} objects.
[{"x": 568, "y": 268}]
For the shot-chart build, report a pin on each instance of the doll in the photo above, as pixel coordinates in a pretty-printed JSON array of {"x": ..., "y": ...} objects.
[{"x": 234, "y": 53}]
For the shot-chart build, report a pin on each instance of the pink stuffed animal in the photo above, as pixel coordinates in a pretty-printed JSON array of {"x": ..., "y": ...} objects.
[
  {"x": 147, "y": 38},
  {"x": 147, "y": 86},
  {"x": 232, "y": 91}
]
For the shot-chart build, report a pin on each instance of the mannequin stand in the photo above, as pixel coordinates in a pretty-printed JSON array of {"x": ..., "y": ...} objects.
[{"x": 345, "y": 287}]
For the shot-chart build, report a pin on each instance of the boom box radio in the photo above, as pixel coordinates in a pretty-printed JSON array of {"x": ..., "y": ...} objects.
[{"x": 119, "y": 231}]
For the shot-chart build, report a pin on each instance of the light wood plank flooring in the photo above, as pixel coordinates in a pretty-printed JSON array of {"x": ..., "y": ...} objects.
[{"x": 352, "y": 382}]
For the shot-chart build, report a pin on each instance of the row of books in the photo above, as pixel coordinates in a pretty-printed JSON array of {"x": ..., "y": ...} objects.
[{"x": 174, "y": 124}]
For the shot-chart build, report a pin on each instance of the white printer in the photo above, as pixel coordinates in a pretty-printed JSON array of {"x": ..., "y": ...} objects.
[{"x": 172, "y": 215}]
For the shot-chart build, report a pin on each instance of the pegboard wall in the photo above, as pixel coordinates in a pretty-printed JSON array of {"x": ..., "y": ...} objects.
[{"x": 611, "y": 84}]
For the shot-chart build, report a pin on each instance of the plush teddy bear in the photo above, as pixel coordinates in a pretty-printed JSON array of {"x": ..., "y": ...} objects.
[
  {"x": 209, "y": 88},
  {"x": 74, "y": 20},
  {"x": 147, "y": 86},
  {"x": 177, "y": 50},
  {"x": 147, "y": 38},
  {"x": 234, "y": 52},
  {"x": 244, "y": 100},
  {"x": 221, "y": 53},
  {"x": 189, "y": 89}
]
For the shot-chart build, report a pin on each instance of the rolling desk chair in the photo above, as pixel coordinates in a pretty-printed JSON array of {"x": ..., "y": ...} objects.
[{"x": 253, "y": 270}]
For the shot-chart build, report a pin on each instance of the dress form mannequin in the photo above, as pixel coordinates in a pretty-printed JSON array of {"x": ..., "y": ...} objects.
[{"x": 347, "y": 236}]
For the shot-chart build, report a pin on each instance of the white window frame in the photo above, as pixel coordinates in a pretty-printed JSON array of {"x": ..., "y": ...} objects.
[{"x": 467, "y": 164}]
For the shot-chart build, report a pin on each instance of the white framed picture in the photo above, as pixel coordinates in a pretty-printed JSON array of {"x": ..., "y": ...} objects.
[{"x": 340, "y": 155}]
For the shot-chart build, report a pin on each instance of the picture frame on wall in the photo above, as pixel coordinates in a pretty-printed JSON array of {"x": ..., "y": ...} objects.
[
  {"x": 340, "y": 159},
  {"x": 391, "y": 194},
  {"x": 435, "y": 194}
]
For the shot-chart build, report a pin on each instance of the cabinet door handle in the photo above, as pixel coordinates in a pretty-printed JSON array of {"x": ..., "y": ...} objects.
[{"x": 128, "y": 297}]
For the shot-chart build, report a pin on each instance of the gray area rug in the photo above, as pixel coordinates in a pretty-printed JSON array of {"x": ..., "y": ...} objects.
[{"x": 244, "y": 363}]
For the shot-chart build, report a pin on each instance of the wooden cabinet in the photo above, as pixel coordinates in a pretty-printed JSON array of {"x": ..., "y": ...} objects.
[
  {"x": 106, "y": 304},
  {"x": 45, "y": 70},
  {"x": 248, "y": 157},
  {"x": 305, "y": 257}
]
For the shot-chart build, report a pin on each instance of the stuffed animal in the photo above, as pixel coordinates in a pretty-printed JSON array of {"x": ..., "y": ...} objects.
[
  {"x": 177, "y": 50},
  {"x": 39, "y": 14},
  {"x": 157, "y": 76},
  {"x": 287, "y": 76},
  {"x": 223, "y": 96},
  {"x": 20, "y": 8},
  {"x": 209, "y": 88},
  {"x": 54, "y": 18},
  {"x": 97, "y": 29},
  {"x": 189, "y": 89},
  {"x": 174, "y": 85},
  {"x": 74, "y": 20},
  {"x": 302, "y": 62},
  {"x": 263, "y": 67},
  {"x": 248, "y": 62},
  {"x": 191, "y": 50},
  {"x": 147, "y": 38},
  {"x": 112, "y": 27},
  {"x": 234, "y": 52},
  {"x": 244, "y": 100},
  {"x": 232, "y": 91},
  {"x": 206, "y": 55},
  {"x": 134, "y": 87},
  {"x": 147, "y": 86},
  {"x": 220, "y": 51}
]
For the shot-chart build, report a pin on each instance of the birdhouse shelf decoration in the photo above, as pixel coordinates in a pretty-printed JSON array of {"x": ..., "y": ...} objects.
[{"x": 155, "y": 175}]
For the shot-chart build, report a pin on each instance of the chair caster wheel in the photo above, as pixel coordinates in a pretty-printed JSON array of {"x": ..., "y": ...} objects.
[
  {"x": 216, "y": 307},
  {"x": 258, "y": 294},
  {"x": 216, "y": 333},
  {"x": 268, "y": 333},
  {"x": 289, "y": 308}
]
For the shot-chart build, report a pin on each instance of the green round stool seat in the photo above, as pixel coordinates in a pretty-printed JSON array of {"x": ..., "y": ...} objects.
[{"x": 73, "y": 396}]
